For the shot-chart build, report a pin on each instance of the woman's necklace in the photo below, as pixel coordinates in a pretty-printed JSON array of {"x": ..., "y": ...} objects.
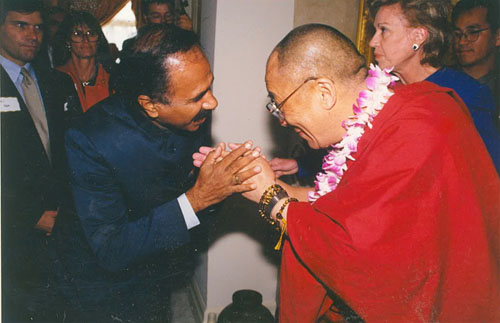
[
  {"x": 368, "y": 105},
  {"x": 89, "y": 80}
]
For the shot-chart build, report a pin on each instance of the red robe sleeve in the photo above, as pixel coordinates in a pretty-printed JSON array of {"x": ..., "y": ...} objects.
[{"x": 412, "y": 231}]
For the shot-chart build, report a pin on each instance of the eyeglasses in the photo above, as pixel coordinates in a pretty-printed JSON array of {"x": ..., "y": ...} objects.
[
  {"x": 77, "y": 36},
  {"x": 275, "y": 109},
  {"x": 470, "y": 35}
]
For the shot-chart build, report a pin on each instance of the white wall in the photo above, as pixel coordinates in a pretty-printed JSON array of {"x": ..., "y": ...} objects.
[{"x": 238, "y": 36}]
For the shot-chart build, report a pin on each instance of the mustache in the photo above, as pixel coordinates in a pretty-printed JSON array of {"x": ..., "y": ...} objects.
[{"x": 202, "y": 114}]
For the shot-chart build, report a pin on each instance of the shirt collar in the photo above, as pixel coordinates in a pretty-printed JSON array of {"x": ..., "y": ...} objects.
[{"x": 13, "y": 69}]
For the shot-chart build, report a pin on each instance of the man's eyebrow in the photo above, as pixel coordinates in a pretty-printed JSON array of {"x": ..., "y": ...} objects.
[
  {"x": 15, "y": 22},
  {"x": 202, "y": 94},
  {"x": 473, "y": 26}
]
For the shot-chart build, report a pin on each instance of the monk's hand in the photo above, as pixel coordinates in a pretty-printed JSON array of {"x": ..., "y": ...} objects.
[
  {"x": 220, "y": 176},
  {"x": 200, "y": 156},
  {"x": 284, "y": 166},
  {"x": 265, "y": 178}
]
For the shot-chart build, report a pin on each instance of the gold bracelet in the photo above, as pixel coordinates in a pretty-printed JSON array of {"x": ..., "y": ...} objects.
[{"x": 279, "y": 217}]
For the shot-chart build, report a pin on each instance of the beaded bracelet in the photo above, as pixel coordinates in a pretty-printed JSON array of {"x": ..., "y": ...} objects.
[
  {"x": 279, "y": 217},
  {"x": 268, "y": 199}
]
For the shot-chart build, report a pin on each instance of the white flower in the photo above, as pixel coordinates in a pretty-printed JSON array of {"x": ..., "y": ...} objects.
[{"x": 370, "y": 102}]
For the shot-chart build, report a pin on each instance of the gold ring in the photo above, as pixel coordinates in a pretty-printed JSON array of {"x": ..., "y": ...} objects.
[{"x": 236, "y": 180}]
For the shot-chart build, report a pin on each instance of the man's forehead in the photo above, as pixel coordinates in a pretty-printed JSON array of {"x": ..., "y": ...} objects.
[
  {"x": 272, "y": 65},
  {"x": 34, "y": 17},
  {"x": 472, "y": 18},
  {"x": 159, "y": 7},
  {"x": 180, "y": 62},
  {"x": 193, "y": 55}
]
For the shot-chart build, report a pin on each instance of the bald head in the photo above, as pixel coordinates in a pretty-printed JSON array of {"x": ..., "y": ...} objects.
[{"x": 316, "y": 50}]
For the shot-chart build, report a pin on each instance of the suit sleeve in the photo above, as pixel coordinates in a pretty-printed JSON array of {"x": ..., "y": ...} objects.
[{"x": 116, "y": 240}]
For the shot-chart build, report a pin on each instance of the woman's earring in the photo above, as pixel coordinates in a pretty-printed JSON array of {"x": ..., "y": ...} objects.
[
  {"x": 68, "y": 46},
  {"x": 415, "y": 47}
]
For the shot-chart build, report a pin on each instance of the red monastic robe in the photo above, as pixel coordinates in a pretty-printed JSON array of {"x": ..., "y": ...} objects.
[{"x": 411, "y": 234}]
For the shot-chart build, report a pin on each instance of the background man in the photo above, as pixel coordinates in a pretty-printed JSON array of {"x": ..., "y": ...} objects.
[
  {"x": 476, "y": 41},
  {"x": 32, "y": 103},
  {"x": 52, "y": 17},
  {"x": 136, "y": 194},
  {"x": 159, "y": 12}
]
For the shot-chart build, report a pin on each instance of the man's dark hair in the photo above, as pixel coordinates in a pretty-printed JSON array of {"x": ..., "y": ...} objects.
[
  {"x": 145, "y": 70},
  {"x": 492, "y": 7},
  {"x": 145, "y": 5},
  {"x": 23, "y": 6}
]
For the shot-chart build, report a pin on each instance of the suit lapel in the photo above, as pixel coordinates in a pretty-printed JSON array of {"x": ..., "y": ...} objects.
[{"x": 9, "y": 90}]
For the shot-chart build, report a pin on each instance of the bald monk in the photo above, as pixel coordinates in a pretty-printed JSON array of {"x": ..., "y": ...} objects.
[{"x": 403, "y": 224}]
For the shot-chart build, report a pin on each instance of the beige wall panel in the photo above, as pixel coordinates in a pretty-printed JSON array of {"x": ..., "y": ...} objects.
[{"x": 341, "y": 14}]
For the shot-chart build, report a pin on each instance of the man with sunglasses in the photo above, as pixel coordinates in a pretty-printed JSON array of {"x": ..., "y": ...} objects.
[
  {"x": 33, "y": 100},
  {"x": 476, "y": 39}
]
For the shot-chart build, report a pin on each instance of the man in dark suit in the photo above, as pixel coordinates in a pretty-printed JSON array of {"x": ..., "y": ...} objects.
[
  {"x": 32, "y": 112},
  {"x": 135, "y": 190}
]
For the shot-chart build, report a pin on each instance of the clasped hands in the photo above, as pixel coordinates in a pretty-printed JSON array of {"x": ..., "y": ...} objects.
[{"x": 243, "y": 164}]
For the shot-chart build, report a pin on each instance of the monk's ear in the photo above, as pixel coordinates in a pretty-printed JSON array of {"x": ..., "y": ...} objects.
[
  {"x": 327, "y": 92},
  {"x": 497, "y": 38},
  {"x": 148, "y": 105}
]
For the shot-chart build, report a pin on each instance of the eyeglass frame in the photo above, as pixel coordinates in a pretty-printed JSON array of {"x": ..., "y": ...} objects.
[
  {"x": 275, "y": 108},
  {"x": 82, "y": 35},
  {"x": 166, "y": 16},
  {"x": 467, "y": 34}
]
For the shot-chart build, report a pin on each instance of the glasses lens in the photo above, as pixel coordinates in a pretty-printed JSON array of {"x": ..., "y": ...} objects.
[
  {"x": 92, "y": 35},
  {"x": 78, "y": 36},
  {"x": 273, "y": 109},
  {"x": 472, "y": 35}
]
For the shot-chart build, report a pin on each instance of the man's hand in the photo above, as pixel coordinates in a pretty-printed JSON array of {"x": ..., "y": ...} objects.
[
  {"x": 199, "y": 157},
  {"x": 184, "y": 22},
  {"x": 282, "y": 166},
  {"x": 219, "y": 178},
  {"x": 46, "y": 222}
]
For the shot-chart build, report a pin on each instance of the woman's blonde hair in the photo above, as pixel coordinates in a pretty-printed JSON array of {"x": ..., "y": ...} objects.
[{"x": 430, "y": 14}]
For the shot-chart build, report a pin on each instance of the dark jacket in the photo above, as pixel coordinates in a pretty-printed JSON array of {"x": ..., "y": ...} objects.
[
  {"x": 126, "y": 175},
  {"x": 30, "y": 183}
]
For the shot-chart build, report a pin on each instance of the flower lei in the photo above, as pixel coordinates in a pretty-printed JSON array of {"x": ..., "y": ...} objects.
[{"x": 369, "y": 104}]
